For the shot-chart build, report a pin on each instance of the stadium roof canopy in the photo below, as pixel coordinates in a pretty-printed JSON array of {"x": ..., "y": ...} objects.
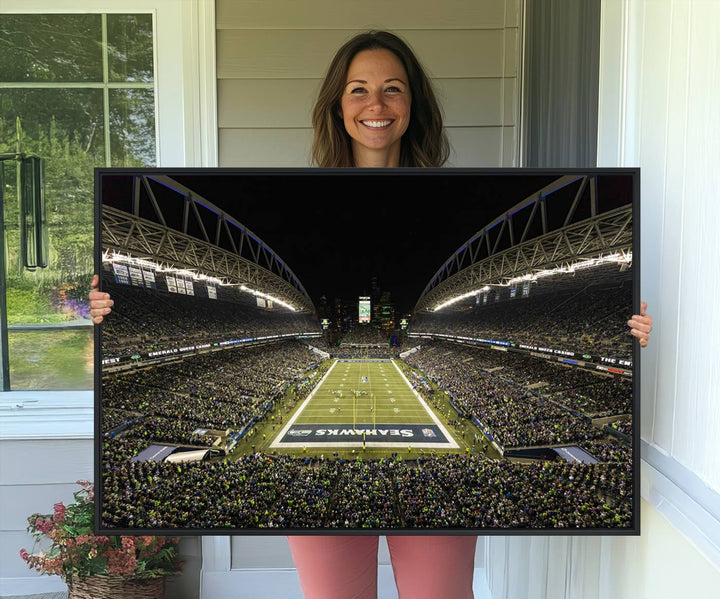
[
  {"x": 562, "y": 224},
  {"x": 173, "y": 226}
]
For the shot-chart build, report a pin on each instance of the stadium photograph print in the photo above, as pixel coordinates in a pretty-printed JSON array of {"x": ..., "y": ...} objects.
[
  {"x": 512, "y": 373},
  {"x": 504, "y": 404}
]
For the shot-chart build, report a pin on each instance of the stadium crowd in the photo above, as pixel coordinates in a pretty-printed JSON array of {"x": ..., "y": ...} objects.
[
  {"x": 524, "y": 402},
  {"x": 259, "y": 491},
  {"x": 507, "y": 400},
  {"x": 217, "y": 391},
  {"x": 149, "y": 320},
  {"x": 585, "y": 312},
  {"x": 364, "y": 335},
  {"x": 359, "y": 352},
  {"x": 622, "y": 425},
  {"x": 364, "y": 341}
]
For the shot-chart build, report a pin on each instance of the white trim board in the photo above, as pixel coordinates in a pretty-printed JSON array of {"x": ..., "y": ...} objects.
[
  {"x": 679, "y": 494},
  {"x": 36, "y": 415}
]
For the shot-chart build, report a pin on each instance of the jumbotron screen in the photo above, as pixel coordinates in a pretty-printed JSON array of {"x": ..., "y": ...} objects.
[{"x": 364, "y": 309}]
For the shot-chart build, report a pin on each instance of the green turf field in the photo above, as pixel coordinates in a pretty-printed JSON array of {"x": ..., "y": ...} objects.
[{"x": 367, "y": 402}]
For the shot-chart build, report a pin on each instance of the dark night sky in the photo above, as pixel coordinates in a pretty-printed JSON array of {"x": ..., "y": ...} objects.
[{"x": 337, "y": 229}]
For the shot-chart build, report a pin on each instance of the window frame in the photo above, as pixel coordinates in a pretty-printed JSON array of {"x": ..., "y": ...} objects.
[{"x": 186, "y": 135}]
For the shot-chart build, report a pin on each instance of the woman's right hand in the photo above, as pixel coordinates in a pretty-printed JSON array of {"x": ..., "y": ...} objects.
[
  {"x": 641, "y": 325},
  {"x": 100, "y": 303}
]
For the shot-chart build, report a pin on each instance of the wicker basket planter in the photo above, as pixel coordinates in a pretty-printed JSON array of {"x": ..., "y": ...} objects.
[
  {"x": 116, "y": 587},
  {"x": 66, "y": 545}
]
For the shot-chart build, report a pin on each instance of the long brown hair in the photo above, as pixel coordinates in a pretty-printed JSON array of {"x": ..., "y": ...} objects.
[{"x": 423, "y": 144}]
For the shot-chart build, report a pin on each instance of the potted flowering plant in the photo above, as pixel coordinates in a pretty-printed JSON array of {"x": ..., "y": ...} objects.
[{"x": 96, "y": 566}]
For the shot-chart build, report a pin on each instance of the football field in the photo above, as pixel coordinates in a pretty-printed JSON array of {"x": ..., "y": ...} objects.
[{"x": 364, "y": 402}]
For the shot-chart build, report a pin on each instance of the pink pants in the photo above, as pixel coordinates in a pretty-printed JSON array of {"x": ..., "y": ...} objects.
[{"x": 425, "y": 567}]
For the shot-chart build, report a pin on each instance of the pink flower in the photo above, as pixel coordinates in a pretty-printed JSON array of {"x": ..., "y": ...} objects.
[
  {"x": 44, "y": 526},
  {"x": 59, "y": 512},
  {"x": 128, "y": 542},
  {"x": 77, "y": 554},
  {"x": 53, "y": 565}
]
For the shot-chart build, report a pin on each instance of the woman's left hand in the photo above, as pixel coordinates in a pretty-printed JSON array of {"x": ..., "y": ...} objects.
[{"x": 641, "y": 325}]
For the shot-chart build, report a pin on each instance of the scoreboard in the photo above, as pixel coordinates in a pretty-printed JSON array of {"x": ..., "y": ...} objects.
[{"x": 364, "y": 309}]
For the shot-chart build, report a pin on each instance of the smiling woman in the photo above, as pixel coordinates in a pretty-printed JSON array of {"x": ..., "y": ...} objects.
[
  {"x": 376, "y": 108},
  {"x": 365, "y": 104}
]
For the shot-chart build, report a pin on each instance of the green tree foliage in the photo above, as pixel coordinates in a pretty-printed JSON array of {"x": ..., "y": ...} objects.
[
  {"x": 69, "y": 172},
  {"x": 43, "y": 48}
]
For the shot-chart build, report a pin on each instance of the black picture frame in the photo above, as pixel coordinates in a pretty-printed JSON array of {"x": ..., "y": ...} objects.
[{"x": 205, "y": 199}]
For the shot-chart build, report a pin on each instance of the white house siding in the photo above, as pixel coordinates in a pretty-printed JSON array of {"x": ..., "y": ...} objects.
[
  {"x": 36, "y": 474},
  {"x": 271, "y": 58}
]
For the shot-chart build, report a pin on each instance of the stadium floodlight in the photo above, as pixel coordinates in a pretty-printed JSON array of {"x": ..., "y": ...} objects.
[
  {"x": 616, "y": 258},
  {"x": 461, "y": 297},
  {"x": 113, "y": 256},
  {"x": 267, "y": 296},
  {"x": 623, "y": 258}
]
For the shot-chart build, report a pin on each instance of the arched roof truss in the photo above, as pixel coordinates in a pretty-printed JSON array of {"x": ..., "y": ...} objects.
[
  {"x": 535, "y": 234},
  {"x": 172, "y": 225}
]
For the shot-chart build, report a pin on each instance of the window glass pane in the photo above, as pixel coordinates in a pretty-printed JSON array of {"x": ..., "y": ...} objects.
[
  {"x": 132, "y": 127},
  {"x": 53, "y": 122},
  {"x": 65, "y": 127},
  {"x": 130, "y": 48},
  {"x": 38, "y": 48},
  {"x": 58, "y": 359}
]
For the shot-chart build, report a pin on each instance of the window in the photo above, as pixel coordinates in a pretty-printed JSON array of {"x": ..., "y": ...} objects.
[{"x": 77, "y": 90}]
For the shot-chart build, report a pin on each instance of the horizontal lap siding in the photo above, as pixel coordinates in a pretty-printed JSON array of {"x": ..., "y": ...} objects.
[
  {"x": 264, "y": 147},
  {"x": 271, "y": 60},
  {"x": 287, "y": 104},
  {"x": 35, "y": 475},
  {"x": 306, "y": 54},
  {"x": 354, "y": 14},
  {"x": 46, "y": 462}
]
